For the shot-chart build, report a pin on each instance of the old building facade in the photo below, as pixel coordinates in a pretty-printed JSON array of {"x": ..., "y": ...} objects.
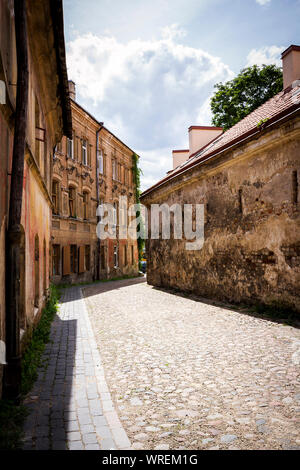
[
  {"x": 43, "y": 95},
  {"x": 73, "y": 235},
  {"x": 93, "y": 168},
  {"x": 248, "y": 181}
]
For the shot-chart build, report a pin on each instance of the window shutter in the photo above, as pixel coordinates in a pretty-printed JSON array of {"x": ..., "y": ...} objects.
[
  {"x": 66, "y": 260},
  {"x": 81, "y": 259}
]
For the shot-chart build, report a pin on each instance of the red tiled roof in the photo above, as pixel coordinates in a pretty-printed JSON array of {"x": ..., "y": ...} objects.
[{"x": 280, "y": 105}]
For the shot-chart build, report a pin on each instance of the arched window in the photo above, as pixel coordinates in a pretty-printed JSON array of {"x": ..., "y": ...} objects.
[
  {"x": 55, "y": 197},
  {"x": 72, "y": 202}
]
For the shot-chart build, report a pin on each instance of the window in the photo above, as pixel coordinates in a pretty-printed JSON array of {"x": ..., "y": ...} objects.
[
  {"x": 101, "y": 166},
  {"x": 114, "y": 170},
  {"x": 55, "y": 260},
  {"x": 132, "y": 254},
  {"x": 85, "y": 206},
  {"x": 72, "y": 202},
  {"x": 73, "y": 258},
  {"x": 116, "y": 264},
  {"x": 55, "y": 197},
  {"x": 87, "y": 257},
  {"x": 84, "y": 151},
  {"x": 70, "y": 148},
  {"x": 76, "y": 147},
  {"x": 89, "y": 153},
  {"x": 115, "y": 216},
  {"x": 125, "y": 256},
  {"x": 102, "y": 257}
]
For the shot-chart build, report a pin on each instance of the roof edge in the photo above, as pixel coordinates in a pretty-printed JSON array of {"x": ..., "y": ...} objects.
[
  {"x": 292, "y": 47},
  {"x": 241, "y": 138},
  {"x": 206, "y": 128},
  {"x": 56, "y": 7}
]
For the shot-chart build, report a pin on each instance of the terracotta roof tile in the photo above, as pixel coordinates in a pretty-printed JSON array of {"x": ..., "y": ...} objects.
[{"x": 275, "y": 106}]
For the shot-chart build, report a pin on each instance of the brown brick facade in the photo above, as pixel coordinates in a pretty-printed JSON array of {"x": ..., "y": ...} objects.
[{"x": 77, "y": 254}]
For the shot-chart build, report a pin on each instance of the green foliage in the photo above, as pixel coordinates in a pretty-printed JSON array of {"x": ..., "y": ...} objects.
[
  {"x": 261, "y": 122},
  {"x": 12, "y": 416},
  {"x": 237, "y": 98},
  {"x": 137, "y": 183},
  {"x": 11, "y": 422}
]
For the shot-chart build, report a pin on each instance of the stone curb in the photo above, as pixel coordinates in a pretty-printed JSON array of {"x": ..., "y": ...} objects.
[{"x": 119, "y": 434}]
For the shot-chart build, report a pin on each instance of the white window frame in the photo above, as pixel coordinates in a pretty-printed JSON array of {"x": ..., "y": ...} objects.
[
  {"x": 70, "y": 146},
  {"x": 84, "y": 151},
  {"x": 115, "y": 215}
]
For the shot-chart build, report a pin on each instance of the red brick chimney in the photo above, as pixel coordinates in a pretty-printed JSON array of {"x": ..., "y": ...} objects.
[{"x": 291, "y": 65}]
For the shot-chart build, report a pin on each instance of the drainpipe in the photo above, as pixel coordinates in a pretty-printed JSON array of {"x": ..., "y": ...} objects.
[
  {"x": 12, "y": 378},
  {"x": 98, "y": 199}
]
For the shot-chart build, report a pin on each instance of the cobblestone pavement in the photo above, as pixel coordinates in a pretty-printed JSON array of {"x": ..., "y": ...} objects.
[
  {"x": 70, "y": 405},
  {"x": 188, "y": 375}
]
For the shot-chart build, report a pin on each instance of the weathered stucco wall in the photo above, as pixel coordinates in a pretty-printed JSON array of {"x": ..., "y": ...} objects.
[
  {"x": 251, "y": 251},
  {"x": 44, "y": 129}
]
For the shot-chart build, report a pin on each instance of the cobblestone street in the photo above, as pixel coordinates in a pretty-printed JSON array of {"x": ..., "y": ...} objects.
[{"x": 188, "y": 375}]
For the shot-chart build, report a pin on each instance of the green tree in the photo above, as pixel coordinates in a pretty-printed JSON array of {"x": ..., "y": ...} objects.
[{"x": 237, "y": 98}]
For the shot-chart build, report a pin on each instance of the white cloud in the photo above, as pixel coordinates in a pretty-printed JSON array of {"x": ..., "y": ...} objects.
[
  {"x": 147, "y": 92},
  {"x": 263, "y": 2},
  {"x": 154, "y": 165},
  {"x": 265, "y": 55}
]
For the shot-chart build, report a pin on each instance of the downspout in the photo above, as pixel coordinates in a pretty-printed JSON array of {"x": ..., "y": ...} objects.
[
  {"x": 98, "y": 201},
  {"x": 12, "y": 380}
]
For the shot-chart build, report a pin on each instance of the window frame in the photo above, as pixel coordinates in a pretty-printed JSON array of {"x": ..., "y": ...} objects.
[
  {"x": 55, "y": 197},
  {"x": 73, "y": 259},
  {"x": 84, "y": 150},
  {"x": 72, "y": 213},
  {"x": 55, "y": 260}
]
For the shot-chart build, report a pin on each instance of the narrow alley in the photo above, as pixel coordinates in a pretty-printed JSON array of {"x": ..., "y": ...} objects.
[{"x": 131, "y": 366}]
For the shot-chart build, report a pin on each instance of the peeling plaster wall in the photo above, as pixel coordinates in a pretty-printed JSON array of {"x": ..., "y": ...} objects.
[
  {"x": 251, "y": 251},
  {"x": 36, "y": 204}
]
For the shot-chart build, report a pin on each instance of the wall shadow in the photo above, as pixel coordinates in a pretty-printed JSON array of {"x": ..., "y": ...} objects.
[
  {"x": 100, "y": 287},
  {"x": 293, "y": 320},
  {"x": 51, "y": 402}
]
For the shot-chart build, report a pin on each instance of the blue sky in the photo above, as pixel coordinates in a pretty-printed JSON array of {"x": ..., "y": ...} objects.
[{"x": 147, "y": 68}]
